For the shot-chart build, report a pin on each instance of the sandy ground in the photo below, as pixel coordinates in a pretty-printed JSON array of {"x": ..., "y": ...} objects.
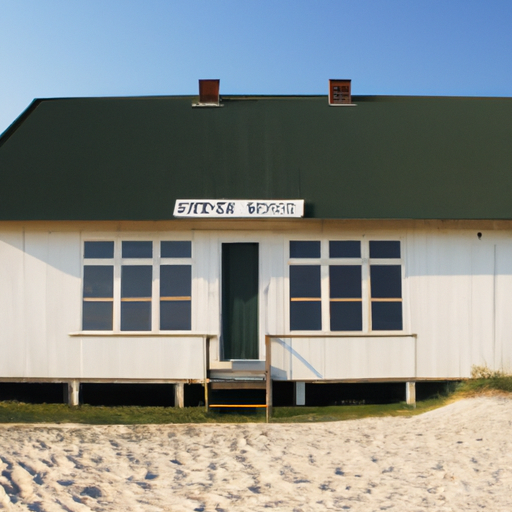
[{"x": 457, "y": 458}]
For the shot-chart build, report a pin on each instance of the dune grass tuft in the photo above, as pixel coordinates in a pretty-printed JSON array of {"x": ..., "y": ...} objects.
[{"x": 497, "y": 384}]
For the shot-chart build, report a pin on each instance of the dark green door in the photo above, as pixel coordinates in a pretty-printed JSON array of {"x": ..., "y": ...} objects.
[{"x": 240, "y": 301}]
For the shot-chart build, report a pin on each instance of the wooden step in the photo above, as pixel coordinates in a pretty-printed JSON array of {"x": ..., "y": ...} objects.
[
  {"x": 248, "y": 406},
  {"x": 238, "y": 365},
  {"x": 237, "y": 384},
  {"x": 236, "y": 375}
]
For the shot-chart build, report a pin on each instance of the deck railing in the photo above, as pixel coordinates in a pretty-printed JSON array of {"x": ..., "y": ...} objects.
[
  {"x": 412, "y": 363},
  {"x": 268, "y": 360}
]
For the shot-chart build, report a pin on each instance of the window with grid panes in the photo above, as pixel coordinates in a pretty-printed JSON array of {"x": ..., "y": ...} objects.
[
  {"x": 133, "y": 285},
  {"x": 363, "y": 288}
]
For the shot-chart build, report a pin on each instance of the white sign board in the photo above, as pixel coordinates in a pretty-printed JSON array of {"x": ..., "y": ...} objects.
[{"x": 238, "y": 208}]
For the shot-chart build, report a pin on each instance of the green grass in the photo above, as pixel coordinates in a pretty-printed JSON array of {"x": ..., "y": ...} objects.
[
  {"x": 352, "y": 412},
  {"x": 16, "y": 412}
]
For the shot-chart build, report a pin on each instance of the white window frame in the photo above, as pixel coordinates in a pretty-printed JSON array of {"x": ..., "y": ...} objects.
[
  {"x": 118, "y": 261},
  {"x": 325, "y": 261}
]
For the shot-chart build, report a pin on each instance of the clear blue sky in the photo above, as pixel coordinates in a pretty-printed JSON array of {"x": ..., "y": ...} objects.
[{"x": 61, "y": 48}]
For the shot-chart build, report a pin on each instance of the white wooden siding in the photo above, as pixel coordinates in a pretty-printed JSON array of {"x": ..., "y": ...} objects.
[
  {"x": 457, "y": 302},
  {"x": 141, "y": 357},
  {"x": 358, "y": 357}
]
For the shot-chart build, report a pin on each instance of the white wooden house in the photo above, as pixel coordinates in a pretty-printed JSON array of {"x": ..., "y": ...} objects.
[{"x": 167, "y": 240}]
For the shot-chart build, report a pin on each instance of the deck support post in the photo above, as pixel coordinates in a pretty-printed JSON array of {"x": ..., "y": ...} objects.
[
  {"x": 73, "y": 393},
  {"x": 206, "y": 364},
  {"x": 300, "y": 393},
  {"x": 410, "y": 393},
  {"x": 268, "y": 375},
  {"x": 179, "y": 395}
]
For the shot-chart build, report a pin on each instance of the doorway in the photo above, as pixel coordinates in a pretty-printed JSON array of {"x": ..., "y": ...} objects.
[{"x": 240, "y": 284}]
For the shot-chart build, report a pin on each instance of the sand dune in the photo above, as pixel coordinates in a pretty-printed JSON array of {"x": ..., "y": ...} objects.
[{"x": 457, "y": 458}]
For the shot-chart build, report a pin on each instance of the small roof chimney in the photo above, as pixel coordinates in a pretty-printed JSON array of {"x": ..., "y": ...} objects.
[
  {"x": 209, "y": 92},
  {"x": 339, "y": 92}
]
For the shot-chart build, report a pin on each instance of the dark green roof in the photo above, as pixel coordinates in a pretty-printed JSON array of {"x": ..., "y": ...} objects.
[{"x": 387, "y": 157}]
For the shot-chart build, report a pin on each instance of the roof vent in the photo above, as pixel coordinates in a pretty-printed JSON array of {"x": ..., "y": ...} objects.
[
  {"x": 339, "y": 92},
  {"x": 208, "y": 93}
]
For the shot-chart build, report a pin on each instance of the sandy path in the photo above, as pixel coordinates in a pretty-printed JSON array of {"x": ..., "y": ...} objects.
[{"x": 453, "y": 459}]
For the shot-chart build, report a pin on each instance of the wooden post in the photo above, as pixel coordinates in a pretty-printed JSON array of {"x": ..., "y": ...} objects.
[
  {"x": 268, "y": 375},
  {"x": 179, "y": 395},
  {"x": 410, "y": 393},
  {"x": 206, "y": 363},
  {"x": 300, "y": 393},
  {"x": 73, "y": 393}
]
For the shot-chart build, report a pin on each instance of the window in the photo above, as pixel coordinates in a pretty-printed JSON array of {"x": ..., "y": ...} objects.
[
  {"x": 305, "y": 298},
  {"x": 98, "y": 297},
  {"x": 345, "y": 286},
  {"x": 175, "y": 286},
  {"x": 386, "y": 286},
  {"x": 134, "y": 285}
]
